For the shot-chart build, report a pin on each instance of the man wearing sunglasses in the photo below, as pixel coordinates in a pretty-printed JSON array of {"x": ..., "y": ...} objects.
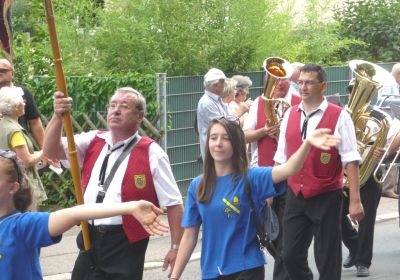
[{"x": 31, "y": 119}]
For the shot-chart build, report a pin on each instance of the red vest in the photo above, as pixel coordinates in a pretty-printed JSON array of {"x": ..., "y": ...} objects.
[
  {"x": 322, "y": 170},
  {"x": 267, "y": 146},
  {"x": 137, "y": 183}
]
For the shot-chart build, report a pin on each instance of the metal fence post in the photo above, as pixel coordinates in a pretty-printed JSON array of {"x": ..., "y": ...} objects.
[{"x": 162, "y": 100}]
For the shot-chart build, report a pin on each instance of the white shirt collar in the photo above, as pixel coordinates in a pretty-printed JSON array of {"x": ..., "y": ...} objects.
[{"x": 107, "y": 138}]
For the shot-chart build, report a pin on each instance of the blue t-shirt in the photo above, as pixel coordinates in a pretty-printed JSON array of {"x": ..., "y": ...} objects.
[
  {"x": 229, "y": 242},
  {"x": 21, "y": 237}
]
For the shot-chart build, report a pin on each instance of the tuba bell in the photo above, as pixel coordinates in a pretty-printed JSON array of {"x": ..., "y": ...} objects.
[
  {"x": 276, "y": 69},
  {"x": 371, "y": 127}
]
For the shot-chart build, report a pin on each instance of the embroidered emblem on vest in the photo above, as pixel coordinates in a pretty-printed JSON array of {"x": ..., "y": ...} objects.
[
  {"x": 140, "y": 181},
  {"x": 325, "y": 158}
]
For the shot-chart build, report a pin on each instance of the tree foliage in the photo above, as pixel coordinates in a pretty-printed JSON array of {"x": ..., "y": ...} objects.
[
  {"x": 375, "y": 23},
  {"x": 179, "y": 37}
]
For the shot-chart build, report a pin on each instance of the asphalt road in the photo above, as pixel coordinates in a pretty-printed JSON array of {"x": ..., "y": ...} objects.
[{"x": 385, "y": 263}]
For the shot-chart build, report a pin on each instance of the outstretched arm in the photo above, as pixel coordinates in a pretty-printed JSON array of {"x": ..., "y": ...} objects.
[
  {"x": 320, "y": 138},
  {"x": 143, "y": 211}
]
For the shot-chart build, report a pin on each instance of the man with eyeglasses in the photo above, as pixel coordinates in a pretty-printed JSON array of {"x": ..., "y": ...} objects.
[
  {"x": 314, "y": 196},
  {"x": 30, "y": 121},
  {"x": 263, "y": 144},
  {"x": 117, "y": 166}
]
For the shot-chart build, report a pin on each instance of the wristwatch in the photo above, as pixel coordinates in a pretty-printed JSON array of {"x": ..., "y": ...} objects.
[{"x": 174, "y": 247}]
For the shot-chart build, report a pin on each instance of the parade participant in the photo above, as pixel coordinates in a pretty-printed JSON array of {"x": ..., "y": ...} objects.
[
  {"x": 261, "y": 136},
  {"x": 24, "y": 233},
  {"x": 217, "y": 202},
  {"x": 360, "y": 242},
  {"x": 14, "y": 137},
  {"x": 120, "y": 243},
  {"x": 314, "y": 196},
  {"x": 263, "y": 148},
  {"x": 30, "y": 121}
]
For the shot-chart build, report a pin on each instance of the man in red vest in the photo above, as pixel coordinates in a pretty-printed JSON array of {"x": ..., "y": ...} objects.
[
  {"x": 314, "y": 197},
  {"x": 119, "y": 243},
  {"x": 262, "y": 139}
]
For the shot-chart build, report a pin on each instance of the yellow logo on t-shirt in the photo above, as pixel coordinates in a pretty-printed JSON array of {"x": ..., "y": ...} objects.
[{"x": 228, "y": 210}]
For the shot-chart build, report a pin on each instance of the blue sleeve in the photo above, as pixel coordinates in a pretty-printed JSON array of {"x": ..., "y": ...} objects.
[
  {"x": 35, "y": 229},
  {"x": 262, "y": 186},
  {"x": 191, "y": 214}
]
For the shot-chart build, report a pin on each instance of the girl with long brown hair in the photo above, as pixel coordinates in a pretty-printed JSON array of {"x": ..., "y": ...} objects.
[{"x": 217, "y": 201}]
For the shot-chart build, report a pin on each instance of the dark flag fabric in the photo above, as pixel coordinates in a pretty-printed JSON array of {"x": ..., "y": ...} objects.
[{"x": 5, "y": 30}]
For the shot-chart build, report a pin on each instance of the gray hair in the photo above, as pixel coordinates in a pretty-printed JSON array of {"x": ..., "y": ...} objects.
[
  {"x": 141, "y": 101},
  {"x": 396, "y": 68},
  {"x": 230, "y": 86},
  {"x": 10, "y": 98},
  {"x": 243, "y": 82}
]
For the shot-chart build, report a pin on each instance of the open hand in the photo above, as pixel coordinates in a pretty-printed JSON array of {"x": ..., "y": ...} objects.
[
  {"x": 322, "y": 139},
  {"x": 148, "y": 215}
]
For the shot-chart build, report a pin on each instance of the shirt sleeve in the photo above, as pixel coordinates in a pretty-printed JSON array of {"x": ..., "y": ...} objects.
[
  {"x": 348, "y": 145},
  {"x": 280, "y": 155},
  {"x": 35, "y": 229},
  {"x": 260, "y": 179},
  {"x": 191, "y": 215},
  {"x": 82, "y": 142},
  {"x": 17, "y": 139},
  {"x": 251, "y": 119},
  {"x": 168, "y": 193}
]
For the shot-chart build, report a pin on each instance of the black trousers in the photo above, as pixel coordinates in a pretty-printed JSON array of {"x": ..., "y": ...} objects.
[
  {"x": 278, "y": 205},
  {"x": 360, "y": 244},
  {"x": 318, "y": 217},
  {"x": 257, "y": 273},
  {"x": 114, "y": 256}
]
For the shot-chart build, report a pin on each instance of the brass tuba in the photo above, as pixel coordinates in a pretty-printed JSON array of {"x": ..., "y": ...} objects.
[
  {"x": 371, "y": 126},
  {"x": 276, "y": 69}
]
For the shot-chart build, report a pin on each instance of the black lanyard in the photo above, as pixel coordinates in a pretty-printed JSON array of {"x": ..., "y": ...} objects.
[
  {"x": 104, "y": 183},
  {"x": 305, "y": 123}
]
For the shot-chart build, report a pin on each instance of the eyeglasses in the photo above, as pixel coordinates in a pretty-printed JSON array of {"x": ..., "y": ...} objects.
[
  {"x": 121, "y": 106},
  {"x": 13, "y": 157},
  {"x": 308, "y": 83},
  {"x": 5, "y": 70}
]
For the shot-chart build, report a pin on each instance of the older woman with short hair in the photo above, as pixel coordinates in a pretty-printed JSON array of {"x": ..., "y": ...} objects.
[
  {"x": 14, "y": 137},
  {"x": 240, "y": 106}
]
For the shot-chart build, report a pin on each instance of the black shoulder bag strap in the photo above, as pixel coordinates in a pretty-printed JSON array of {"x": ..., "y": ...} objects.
[
  {"x": 127, "y": 150},
  {"x": 263, "y": 238}
]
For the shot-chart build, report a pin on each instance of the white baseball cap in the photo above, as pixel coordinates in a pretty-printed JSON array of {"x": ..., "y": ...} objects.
[{"x": 214, "y": 74}]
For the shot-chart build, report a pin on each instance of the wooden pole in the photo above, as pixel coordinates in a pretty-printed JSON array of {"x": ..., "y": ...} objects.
[{"x": 61, "y": 86}]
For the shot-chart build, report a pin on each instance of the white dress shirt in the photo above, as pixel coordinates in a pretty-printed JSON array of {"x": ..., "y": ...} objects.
[
  {"x": 167, "y": 191},
  {"x": 344, "y": 128}
]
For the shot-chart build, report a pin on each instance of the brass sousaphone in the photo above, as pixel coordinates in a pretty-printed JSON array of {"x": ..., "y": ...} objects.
[{"x": 371, "y": 126}]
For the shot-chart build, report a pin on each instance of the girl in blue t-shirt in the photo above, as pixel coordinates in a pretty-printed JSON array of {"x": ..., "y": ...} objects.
[
  {"x": 22, "y": 233},
  {"x": 217, "y": 201}
]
